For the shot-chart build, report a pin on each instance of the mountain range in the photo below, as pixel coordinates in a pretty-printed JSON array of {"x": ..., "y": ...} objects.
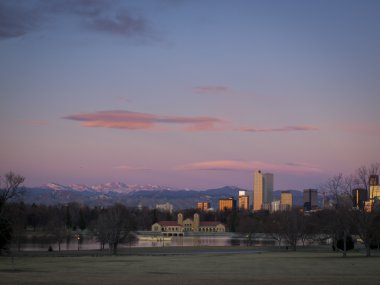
[{"x": 132, "y": 195}]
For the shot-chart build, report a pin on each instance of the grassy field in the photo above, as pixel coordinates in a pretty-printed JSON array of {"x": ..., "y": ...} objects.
[{"x": 208, "y": 266}]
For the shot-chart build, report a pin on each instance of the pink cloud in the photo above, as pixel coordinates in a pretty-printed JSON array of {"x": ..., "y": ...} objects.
[
  {"x": 120, "y": 119},
  {"x": 281, "y": 129},
  {"x": 240, "y": 165},
  {"x": 211, "y": 89}
]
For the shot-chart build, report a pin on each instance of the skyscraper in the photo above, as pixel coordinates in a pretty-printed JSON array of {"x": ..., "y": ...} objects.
[
  {"x": 359, "y": 196},
  {"x": 243, "y": 200},
  {"x": 226, "y": 204},
  {"x": 374, "y": 192},
  {"x": 268, "y": 188},
  {"x": 258, "y": 191},
  {"x": 310, "y": 199},
  {"x": 373, "y": 186},
  {"x": 286, "y": 200},
  {"x": 203, "y": 206},
  {"x": 262, "y": 189},
  {"x": 373, "y": 180}
]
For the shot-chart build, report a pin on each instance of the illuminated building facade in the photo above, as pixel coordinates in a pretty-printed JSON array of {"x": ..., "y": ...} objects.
[
  {"x": 244, "y": 202},
  {"x": 359, "y": 196},
  {"x": 262, "y": 189},
  {"x": 227, "y": 204},
  {"x": 286, "y": 200},
  {"x": 258, "y": 182},
  {"x": 374, "y": 194},
  {"x": 203, "y": 206}
]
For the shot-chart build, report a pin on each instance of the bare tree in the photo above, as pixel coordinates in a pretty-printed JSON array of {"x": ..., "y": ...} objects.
[
  {"x": 293, "y": 227},
  {"x": 338, "y": 187},
  {"x": 19, "y": 221},
  {"x": 364, "y": 221},
  {"x": 9, "y": 188},
  {"x": 113, "y": 226},
  {"x": 364, "y": 172},
  {"x": 273, "y": 225},
  {"x": 248, "y": 225},
  {"x": 365, "y": 227},
  {"x": 100, "y": 229},
  {"x": 57, "y": 226}
]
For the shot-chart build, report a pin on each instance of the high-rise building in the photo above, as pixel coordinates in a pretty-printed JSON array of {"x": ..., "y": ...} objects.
[
  {"x": 227, "y": 204},
  {"x": 359, "y": 196},
  {"x": 286, "y": 200},
  {"x": 268, "y": 188},
  {"x": 262, "y": 189},
  {"x": 243, "y": 201},
  {"x": 374, "y": 191},
  {"x": 374, "y": 196},
  {"x": 203, "y": 206},
  {"x": 258, "y": 191},
  {"x": 310, "y": 199},
  {"x": 373, "y": 180}
]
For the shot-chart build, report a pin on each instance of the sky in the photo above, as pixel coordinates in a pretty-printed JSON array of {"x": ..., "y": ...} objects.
[{"x": 188, "y": 94}]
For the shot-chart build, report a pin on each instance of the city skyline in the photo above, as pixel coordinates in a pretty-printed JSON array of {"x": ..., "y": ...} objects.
[{"x": 188, "y": 94}]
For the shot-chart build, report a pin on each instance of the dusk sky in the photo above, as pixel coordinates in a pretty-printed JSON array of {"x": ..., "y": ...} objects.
[{"x": 190, "y": 94}]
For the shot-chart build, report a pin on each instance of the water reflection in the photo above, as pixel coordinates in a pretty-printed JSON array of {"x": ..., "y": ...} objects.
[{"x": 90, "y": 243}]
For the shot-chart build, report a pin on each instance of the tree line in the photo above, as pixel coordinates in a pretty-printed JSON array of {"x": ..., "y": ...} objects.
[{"x": 113, "y": 225}]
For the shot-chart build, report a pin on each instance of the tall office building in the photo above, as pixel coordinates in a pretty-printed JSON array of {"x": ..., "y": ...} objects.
[
  {"x": 226, "y": 204},
  {"x": 268, "y": 187},
  {"x": 310, "y": 199},
  {"x": 243, "y": 200},
  {"x": 359, "y": 196},
  {"x": 373, "y": 180},
  {"x": 258, "y": 182},
  {"x": 286, "y": 200},
  {"x": 373, "y": 193},
  {"x": 374, "y": 187},
  {"x": 262, "y": 189},
  {"x": 203, "y": 206}
]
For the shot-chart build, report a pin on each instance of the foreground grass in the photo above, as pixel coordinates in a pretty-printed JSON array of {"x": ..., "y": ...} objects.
[{"x": 210, "y": 267}]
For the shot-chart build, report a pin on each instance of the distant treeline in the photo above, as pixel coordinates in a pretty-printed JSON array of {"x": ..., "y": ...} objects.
[{"x": 112, "y": 225}]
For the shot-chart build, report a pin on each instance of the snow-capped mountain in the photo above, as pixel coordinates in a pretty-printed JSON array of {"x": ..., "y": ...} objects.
[
  {"x": 118, "y": 187},
  {"x": 129, "y": 195},
  {"x": 132, "y": 195}
]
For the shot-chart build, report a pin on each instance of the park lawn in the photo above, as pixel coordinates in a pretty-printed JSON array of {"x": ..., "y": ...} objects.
[{"x": 210, "y": 268}]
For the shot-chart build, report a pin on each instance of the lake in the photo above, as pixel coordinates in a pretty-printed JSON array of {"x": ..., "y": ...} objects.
[{"x": 90, "y": 243}]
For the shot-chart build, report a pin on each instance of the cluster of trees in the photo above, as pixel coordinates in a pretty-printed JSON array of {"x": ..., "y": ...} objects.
[
  {"x": 348, "y": 220},
  {"x": 113, "y": 225},
  {"x": 60, "y": 223},
  {"x": 339, "y": 221},
  {"x": 9, "y": 185}
]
